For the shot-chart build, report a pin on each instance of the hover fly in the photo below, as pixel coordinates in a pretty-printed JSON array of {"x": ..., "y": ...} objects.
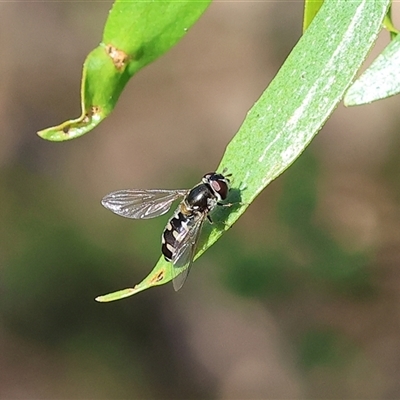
[{"x": 180, "y": 236}]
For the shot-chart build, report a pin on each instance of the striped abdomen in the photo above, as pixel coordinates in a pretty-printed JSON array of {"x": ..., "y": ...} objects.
[{"x": 175, "y": 230}]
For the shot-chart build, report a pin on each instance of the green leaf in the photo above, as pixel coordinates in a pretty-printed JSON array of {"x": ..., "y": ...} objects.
[
  {"x": 311, "y": 7},
  {"x": 380, "y": 80},
  {"x": 290, "y": 112},
  {"x": 135, "y": 34},
  {"x": 388, "y": 24}
]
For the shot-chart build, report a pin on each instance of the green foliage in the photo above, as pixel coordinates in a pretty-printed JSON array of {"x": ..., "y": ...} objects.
[
  {"x": 380, "y": 80},
  {"x": 388, "y": 24},
  {"x": 311, "y": 7},
  {"x": 290, "y": 112},
  {"x": 135, "y": 34}
]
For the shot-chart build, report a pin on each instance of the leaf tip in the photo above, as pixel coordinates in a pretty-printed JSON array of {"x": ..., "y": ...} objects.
[
  {"x": 73, "y": 128},
  {"x": 119, "y": 294}
]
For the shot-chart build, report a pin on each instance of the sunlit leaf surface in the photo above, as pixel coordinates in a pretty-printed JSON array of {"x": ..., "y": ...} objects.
[
  {"x": 290, "y": 112},
  {"x": 380, "y": 80}
]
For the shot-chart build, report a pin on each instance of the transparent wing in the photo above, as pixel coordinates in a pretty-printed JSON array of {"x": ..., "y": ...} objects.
[
  {"x": 184, "y": 253},
  {"x": 141, "y": 204}
]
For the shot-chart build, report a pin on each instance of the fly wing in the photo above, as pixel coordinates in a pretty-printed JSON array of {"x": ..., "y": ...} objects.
[
  {"x": 184, "y": 253},
  {"x": 141, "y": 204}
]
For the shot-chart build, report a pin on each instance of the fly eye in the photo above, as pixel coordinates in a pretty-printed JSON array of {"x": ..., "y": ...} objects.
[
  {"x": 220, "y": 187},
  {"x": 215, "y": 186}
]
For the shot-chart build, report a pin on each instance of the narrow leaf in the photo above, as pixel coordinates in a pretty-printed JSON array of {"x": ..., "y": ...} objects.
[
  {"x": 380, "y": 80},
  {"x": 388, "y": 24},
  {"x": 292, "y": 110},
  {"x": 311, "y": 7},
  {"x": 135, "y": 34}
]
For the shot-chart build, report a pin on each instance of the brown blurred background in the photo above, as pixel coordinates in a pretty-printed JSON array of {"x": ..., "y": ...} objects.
[{"x": 301, "y": 299}]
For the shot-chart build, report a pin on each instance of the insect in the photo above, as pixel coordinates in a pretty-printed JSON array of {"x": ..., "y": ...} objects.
[{"x": 182, "y": 232}]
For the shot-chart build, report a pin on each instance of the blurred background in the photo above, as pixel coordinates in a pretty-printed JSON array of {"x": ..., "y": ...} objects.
[{"x": 301, "y": 299}]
